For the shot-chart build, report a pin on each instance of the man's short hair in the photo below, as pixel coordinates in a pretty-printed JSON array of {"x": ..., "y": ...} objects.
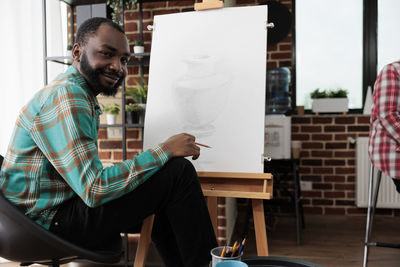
[{"x": 89, "y": 27}]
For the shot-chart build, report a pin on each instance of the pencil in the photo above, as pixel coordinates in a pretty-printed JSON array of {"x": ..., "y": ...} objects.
[
  {"x": 202, "y": 145},
  {"x": 242, "y": 246},
  {"x": 223, "y": 251}
]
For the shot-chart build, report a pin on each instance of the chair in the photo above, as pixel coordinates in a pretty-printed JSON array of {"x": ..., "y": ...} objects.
[
  {"x": 371, "y": 213},
  {"x": 22, "y": 240}
]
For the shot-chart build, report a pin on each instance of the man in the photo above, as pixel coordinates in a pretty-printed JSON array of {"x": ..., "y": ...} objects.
[
  {"x": 53, "y": 173},
  {"x": 384, "y": 137}
]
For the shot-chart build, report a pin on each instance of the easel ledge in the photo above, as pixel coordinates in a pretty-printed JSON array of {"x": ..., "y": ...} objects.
[
  {"x": 208, "y": 4},
  {"x": 254, "y": 186}
]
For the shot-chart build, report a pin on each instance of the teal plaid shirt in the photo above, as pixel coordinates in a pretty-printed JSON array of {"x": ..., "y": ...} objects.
[{"x": 53, "y": 154}]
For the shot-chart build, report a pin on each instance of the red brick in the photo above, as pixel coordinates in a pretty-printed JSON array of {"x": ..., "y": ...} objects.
[
  {"x": 221, "y": 222},
  {"x": 323, "y": 170},
  {"x": 334, "y": 194},
  {"x": 304, "y": 170},
  {"x": 363, "y": 120},
  {"x": 345, "y": 120},
  {"x": 322, "y": 154},
  {"x": 311, "y": 129},
  {"x": 304, "y": 154},
  {"x": 102, "y": 134},
  {"x": 221, "y": 233},
  {"x": 131, "y": 27},
  {"x": 334, "y": 178},
  {"x": 344, "y": 187},
  {"x": 272, "y": 48},
  {"x": 133, "y": 70},
  {"x": 295, "y": 129},
  {"x": 334, "y": 128},
  {"x": 285, "y": 63},
  {"x": 311, "y": 194},
  {"x": 135, "y": 15},
  {"x": 345, "y": 154},
  {"x": 322, "y": 120},
  {"x": 104, "y": 155},
  {"x": 358, "y": 128},
  {"x": 164, "y": 12},
  {"x": 272, "y": 64},
  {"x": 311, "y": 162},
  {"x": 154, "y": 5},
  {"x": 337, "y": 145},
  {"x": 280, "y": 55},
  {"x": 132, "y": 133},
  {"x": 341, "y": 137},
  {"x": 110, "y": 144},
  {"x": 244, "y": 2},
  {"x": 301, "y": 137},
  {"x": 322, "y": 202},
  {"x": 180, "y": 3},
  {"x": 334, "y": 162},
  {"x": 351, "y": 194},
  {"x": 311, "y": 178},
  {"x": 135, "y": 144},
  {"x": 221, "y": 211},
  {"x": 335, "y": 211},
  {"x": 301, "y": 120},
  {"x": 314, "y": 145},
  {"x": 340, "y": 202},
  {"x": 285, "y": 47},
  {"x": 351, "y": 162},
  {"x": 320, "y": 186},
  {"x": 350, "y": 170},
  {"x": 322, "y": 137}
]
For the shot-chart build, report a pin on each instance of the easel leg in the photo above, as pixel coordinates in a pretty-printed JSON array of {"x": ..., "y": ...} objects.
[
  {"x": 144, "y": 242},
  {"x": 212, "y": 209},
  {"x": 259, "y": 226}
]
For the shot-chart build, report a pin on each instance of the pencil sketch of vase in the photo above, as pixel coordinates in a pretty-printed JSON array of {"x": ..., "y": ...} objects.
[{"x": 201, "y": 94}]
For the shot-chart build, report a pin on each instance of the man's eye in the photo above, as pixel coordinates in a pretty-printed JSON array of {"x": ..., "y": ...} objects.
[
  {"x": 124, "y": 60},
  {"x": 107, "y": 54}
]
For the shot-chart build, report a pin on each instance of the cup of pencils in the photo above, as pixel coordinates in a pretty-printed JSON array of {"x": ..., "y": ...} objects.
[{"x": 224, "y": 253}]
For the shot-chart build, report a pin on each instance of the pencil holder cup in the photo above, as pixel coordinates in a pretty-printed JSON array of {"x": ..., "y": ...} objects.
[
  {"x": 231, "y": 263},
  {"x": 216, "y": 256}
]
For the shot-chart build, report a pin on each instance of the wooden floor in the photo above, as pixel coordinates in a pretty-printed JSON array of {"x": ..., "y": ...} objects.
[{"x": 327, "y": 240}]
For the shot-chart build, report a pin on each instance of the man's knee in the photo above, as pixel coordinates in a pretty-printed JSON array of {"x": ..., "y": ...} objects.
[{"x": 182, "y": 168}]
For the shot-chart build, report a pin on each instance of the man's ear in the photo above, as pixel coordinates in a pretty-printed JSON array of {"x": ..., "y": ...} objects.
[{"x": 77, "y": 52}]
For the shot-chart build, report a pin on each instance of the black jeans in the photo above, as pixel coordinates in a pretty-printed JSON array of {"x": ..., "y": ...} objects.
[{"x": 182, "y": 231}]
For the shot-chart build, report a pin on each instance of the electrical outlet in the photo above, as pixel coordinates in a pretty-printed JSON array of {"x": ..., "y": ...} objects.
[
  {"x": 305, "y": 186},
  {"x": 114, "y": 132}
]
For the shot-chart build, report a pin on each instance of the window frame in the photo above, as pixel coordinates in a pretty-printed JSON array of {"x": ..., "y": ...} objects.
[{"x": 370, "y": 51}]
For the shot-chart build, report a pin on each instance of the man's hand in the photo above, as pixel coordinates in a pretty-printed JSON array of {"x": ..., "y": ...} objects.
[{"x": 182, "y": 145}]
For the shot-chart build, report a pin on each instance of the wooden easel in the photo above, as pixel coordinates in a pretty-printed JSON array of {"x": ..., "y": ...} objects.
[
  {"x": 208, "y": 4},
  {"x": 254, "y": 186}
]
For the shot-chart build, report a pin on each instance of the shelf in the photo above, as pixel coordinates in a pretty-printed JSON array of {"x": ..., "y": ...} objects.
[
  {"x": 127, "y": 125},
  {"x": 67, "y": 60}
]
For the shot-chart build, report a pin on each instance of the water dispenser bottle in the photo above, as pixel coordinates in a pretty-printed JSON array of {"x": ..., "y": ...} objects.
[{"x": 277, "y": 95}]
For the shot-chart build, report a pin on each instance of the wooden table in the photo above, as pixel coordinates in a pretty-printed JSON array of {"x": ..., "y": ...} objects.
[{"x": 254, "y": 186}]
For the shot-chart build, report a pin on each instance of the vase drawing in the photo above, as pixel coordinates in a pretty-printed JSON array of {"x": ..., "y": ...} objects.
[{"x": 201, "y": 94}]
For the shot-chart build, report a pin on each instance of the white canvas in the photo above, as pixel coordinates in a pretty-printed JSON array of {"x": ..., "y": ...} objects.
[{"x": 207, "y": 78}]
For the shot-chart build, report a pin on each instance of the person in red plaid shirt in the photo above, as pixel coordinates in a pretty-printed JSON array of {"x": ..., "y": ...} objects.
[{"x": 384, "y": 136}]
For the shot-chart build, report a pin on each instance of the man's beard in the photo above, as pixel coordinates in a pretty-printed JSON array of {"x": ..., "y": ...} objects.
[{"x": 92, "y": 76}]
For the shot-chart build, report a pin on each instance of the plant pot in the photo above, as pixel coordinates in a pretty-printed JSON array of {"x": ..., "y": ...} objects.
[
  {"x": 132, "y": 117},
  {"x": 330, "y": 105},
  {"x": 111, "y": 118},
  {"x": 142, "y": 113},
  {"x": 138, "y": 50}
]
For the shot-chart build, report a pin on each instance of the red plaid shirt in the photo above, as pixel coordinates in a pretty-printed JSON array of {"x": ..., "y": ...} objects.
[{"x": 384, "y": 136}]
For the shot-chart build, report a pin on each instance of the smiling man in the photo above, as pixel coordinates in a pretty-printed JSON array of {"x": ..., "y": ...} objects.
[{"x": 53, "y": 173}]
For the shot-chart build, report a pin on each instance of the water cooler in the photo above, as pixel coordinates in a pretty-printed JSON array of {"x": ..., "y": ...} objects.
[{"x": 277, "y": 141}]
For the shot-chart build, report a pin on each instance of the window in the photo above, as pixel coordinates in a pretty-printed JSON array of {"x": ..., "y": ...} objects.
[
  {"x": 388, "y": 27},
  {"x": 329, "y": 48}
]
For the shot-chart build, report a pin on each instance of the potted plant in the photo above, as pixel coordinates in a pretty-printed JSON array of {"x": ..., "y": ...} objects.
[
  {"x": 133, "y": 113},
  {"x": 329, "y": 101},
  {"x": 139, "y": 95},
  {"x": 111, "y": 110},
  {"x": 69, "y": 50},
  {"x": 116, "y": 6},
  {"x": 138, "y": 47}
]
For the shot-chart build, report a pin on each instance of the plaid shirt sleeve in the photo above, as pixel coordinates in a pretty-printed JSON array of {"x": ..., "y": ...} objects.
[
  {"x": 387, "y": 88},
  {"x": 65, "y": 130}
]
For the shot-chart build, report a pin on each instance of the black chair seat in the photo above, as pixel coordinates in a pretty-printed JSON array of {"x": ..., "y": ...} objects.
[{"x": 22, "y": 240}]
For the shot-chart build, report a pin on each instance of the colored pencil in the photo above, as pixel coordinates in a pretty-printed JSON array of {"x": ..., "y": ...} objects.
[{"x": 202, "y": 145}]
